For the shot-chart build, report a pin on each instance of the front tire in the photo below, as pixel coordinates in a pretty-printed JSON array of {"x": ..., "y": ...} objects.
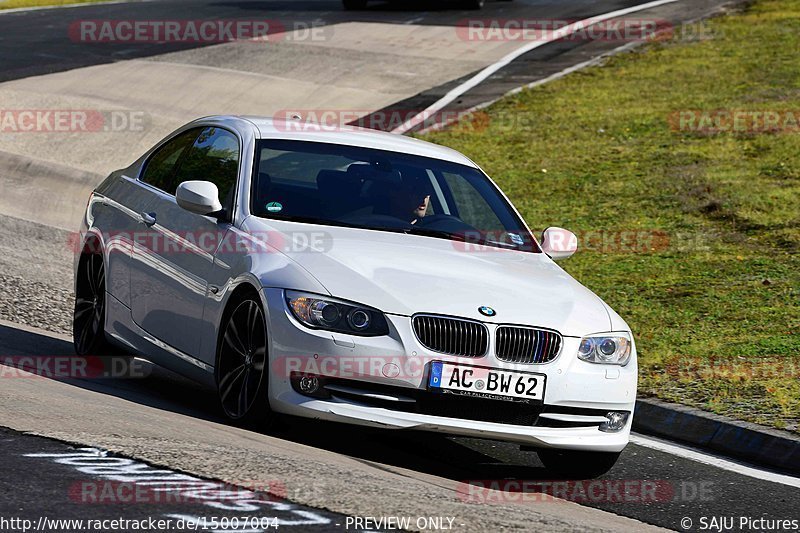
[
  {"x": 241, "y": 372},
  {"x": 573, "y": 464}
]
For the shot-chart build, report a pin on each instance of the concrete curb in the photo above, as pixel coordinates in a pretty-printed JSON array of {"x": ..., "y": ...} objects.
[
  {"x": 743, "y": 440},
  {"x": 51, "y": 193}
]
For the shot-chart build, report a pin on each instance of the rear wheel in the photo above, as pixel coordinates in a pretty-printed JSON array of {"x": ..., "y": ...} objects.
[
  {"x": 242, "y": 364},
  {"x": 88, "y": 317},
  {"x": 577, "y": 464}
]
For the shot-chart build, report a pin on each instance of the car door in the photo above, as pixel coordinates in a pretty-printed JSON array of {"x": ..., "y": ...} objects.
[
  {"x": 175, "y": 260},
  {"x": 156, "y": 177}
]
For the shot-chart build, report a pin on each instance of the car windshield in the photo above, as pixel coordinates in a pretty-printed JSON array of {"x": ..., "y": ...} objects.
[{"x": 380, "y": 190}]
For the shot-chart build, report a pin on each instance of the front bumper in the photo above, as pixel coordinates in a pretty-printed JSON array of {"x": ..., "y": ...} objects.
[{"x": 398, "y": 362}]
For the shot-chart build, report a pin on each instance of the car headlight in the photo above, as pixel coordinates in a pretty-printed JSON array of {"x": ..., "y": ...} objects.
[
  {"x": 606, "y": 348},
  {"x": 324, "y": 312}
]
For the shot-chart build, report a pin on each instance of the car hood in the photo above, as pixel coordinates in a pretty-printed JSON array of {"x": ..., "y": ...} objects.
[{"x": 407, "y": 274}]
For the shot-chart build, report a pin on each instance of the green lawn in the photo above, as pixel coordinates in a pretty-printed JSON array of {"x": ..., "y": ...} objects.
[
  {"x": 13, "y": 4},
  {"x": 714, "y": 298}
]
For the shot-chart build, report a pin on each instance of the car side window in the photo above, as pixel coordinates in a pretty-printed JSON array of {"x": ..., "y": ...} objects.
[
  {"x": 213, "y": 157},
  {"x": 472, "y": 206},
  {"x": 160, "y": 169}
]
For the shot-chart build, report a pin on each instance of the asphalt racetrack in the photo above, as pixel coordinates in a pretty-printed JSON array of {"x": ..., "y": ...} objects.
[{"x": 75, "y": 447}]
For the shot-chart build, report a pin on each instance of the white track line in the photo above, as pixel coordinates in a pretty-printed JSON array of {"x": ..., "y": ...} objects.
[
  {"x": 560, "y": 74},
  {"x": 566, "y": 31},
  {"x": 712, "y": 460},
  {"x": 414, "y": 20}
]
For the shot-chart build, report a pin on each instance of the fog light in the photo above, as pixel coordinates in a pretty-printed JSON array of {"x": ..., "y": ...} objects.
[
  {"x": 616, "y": 421},
  {"x": 308, "y": 384}
]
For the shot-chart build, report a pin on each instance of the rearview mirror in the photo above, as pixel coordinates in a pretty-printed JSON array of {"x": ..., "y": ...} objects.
[
  {"x": 201, "y": 197},
  {"x": 559, "y": 243}
]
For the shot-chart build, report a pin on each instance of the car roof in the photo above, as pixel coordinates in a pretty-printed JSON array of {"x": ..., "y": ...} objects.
[{"x": 273, "y": 128}]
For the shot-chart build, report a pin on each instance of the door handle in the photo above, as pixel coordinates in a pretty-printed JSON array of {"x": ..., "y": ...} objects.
[{"x": 148, "y": 218}]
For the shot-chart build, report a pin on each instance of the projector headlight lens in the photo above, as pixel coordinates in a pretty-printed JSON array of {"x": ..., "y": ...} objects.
[
  {"x": 606, "y": 348},
  {"x": 358, "y": 319},
  {"x": 324, "y": 313}
]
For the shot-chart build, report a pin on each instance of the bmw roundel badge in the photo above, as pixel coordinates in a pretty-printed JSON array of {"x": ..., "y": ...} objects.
[{"x": 486, "y": 311}]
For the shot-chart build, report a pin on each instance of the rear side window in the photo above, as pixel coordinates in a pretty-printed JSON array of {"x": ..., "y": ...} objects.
[
  {"x": 213, "y": 157},
  {"x": 161, "y": 166}
]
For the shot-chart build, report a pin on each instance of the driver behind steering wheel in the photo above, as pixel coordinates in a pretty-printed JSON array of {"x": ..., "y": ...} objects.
[{"x": 410, "y": 202}]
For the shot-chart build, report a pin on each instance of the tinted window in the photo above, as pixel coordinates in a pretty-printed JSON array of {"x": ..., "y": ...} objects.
[
  {"x": 471, "y": 205},
  {"x": 213, "y": 157},
  {"x": 160, "y": 169},
  {"x": 381, "y": 190}
]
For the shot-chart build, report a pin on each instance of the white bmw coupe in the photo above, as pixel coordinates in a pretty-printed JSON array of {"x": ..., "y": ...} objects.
[{"x": 352, "y": 276}]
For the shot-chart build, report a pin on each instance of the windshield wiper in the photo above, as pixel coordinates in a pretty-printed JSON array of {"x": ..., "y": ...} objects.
[
  {"x": 471, "y": 237},
  {"x": 414, "y": 230}
]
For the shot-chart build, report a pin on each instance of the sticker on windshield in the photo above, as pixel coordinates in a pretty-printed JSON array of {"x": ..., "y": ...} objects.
[
  {"x": 274, "y": 207},
  {"x": 516, "y": 239}
]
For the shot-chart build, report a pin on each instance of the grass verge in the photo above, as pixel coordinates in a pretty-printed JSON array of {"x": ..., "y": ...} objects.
[
  {"x": 693, "y": 234},
  {"x": 14, "y": 4}
]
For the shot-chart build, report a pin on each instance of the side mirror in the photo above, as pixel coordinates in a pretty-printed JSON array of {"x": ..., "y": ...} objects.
[
  {"x": 559, "y": 243},
  {"x": 201, "y": 197}
]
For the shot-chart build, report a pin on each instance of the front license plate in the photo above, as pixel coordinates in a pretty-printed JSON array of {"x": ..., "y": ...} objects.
[{"x": 486, "y": 382}]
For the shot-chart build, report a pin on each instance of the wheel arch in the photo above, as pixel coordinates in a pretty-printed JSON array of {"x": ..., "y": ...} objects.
[
  {"x": 91, "y": 243},
  {"x": 237, "y": 294},
  {"x": 258, "y": 413}
]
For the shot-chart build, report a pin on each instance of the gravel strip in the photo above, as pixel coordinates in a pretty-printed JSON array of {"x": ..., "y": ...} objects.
[
  {"x": 36, "y": 274},
  {"x": 36, "y": 304}
]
